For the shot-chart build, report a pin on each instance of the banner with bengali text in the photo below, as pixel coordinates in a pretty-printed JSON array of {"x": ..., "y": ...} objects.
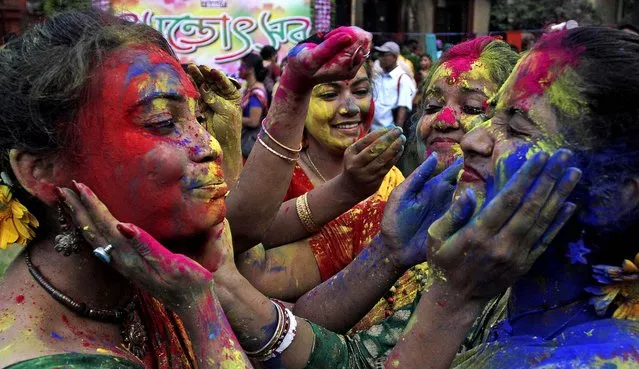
[{"x": 218, "y": 33}]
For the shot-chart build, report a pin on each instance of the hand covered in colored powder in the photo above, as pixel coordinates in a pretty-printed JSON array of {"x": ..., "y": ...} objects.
[
  {"x": 338, "y": 57},
  {"x": 413, "y": 207},
  {"x": 222, "y": 116},
  {"x": 480, "y": 258},
  {"x": 367, "y": 161},
  {"x": 175, "y": 280},
  {"x": 218, "y": 255}
]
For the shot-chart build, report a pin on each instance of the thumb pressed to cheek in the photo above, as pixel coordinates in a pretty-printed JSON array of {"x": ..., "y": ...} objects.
[{"x": 457, "y": 216}]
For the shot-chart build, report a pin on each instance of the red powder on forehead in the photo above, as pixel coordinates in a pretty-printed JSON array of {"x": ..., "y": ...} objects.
[
  {"x": 460, "y": 58},
  {"x": 544, "y": 65},
  {"x": 447, "y": 115}
]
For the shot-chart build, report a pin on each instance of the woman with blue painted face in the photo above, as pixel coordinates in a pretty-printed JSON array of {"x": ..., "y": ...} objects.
[{"x": 578, "y": 305}]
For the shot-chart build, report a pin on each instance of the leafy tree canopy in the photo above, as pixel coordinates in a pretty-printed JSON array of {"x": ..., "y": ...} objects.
[{"x": 535, "y": 14}]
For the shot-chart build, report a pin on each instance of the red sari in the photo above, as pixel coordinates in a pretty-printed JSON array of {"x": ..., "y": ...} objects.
[{"x": 338, "y": 242}]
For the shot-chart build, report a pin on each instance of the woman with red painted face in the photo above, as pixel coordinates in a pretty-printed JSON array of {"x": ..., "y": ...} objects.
[{"x": 116, "y": 123}]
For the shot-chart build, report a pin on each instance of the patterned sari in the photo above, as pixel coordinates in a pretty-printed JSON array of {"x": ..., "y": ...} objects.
[
  {"x": 369, "y": 349},
  {"x": 338, "y": 242}
]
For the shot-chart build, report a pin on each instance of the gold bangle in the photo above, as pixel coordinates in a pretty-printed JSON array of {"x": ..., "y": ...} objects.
[
  {"x": 304, "y": 214},
  {"x": 292, "y": 160},
  {"x": 279, "y": 143}
]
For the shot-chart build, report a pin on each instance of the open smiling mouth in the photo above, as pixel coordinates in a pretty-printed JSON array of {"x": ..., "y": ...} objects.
[{"x": 349, "y": 125}]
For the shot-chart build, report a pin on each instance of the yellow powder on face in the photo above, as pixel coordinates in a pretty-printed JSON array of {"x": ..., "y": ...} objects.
[
  {"x": 320, "y": 114},
  {"x": 7, "y": 320},
  {"x": 565, "y": 94}
]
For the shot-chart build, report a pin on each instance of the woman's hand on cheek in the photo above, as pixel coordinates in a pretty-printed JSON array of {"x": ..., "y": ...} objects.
[
  {"x": 367, "y": 161},
  {"x": 338, "y": 57},
  {"x": 413, "y": 207},
  {"x": 222, "y": 116},
  {"x": 174, "y": 279},
  {"x": 480, "y": 258},
  {"x": 218, "y": 254}
]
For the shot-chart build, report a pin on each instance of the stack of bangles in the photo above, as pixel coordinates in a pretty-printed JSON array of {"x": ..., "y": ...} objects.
[
  {"x": 304, "y": 214},
  {"x": 291, "y": 155},
  {"x": 282, "y": 337}
]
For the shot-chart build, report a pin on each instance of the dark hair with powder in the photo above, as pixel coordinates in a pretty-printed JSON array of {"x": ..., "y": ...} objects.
[
  {"x": 605, "y": 134},
  {"x": 255, "y": 61},
  {"x": 46, "y": 77},
  {"x": 497, "y": 55},
  {"x": 607, "y": 85}
]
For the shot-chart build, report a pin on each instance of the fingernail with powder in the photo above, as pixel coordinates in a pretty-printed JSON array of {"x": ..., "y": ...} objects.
[
  {"x": 574, "y": 174},
  {"x": 83, "y": 189},
  {"x": 60, "y": 194},
  {"x": 125, "y": 230}
]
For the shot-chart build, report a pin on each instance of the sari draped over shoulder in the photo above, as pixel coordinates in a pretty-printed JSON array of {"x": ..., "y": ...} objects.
[
  {"x": 338, "y": 242},
  {"x": 168, "y": 346}
]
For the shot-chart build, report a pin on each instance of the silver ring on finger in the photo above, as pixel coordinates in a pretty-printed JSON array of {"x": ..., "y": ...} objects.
[{"x": 102, "y": 253}]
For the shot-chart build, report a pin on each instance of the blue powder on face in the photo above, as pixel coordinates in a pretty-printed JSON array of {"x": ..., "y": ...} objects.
[
  {"x": 505, "y": 170},
  {"x": 55, "y": 335}
]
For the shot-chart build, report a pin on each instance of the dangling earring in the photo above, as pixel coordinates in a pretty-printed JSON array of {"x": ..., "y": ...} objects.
[{"x": 69, "y": 240}]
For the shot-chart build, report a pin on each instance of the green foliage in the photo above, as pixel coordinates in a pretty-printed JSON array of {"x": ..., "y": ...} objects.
[
  {"x": 535, "y": 14},
  {"x": 55, "y": 6},
  {"x": 7, "y": 256}
]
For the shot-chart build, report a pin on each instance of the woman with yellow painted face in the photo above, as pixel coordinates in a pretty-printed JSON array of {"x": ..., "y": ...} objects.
[{"x": 341, "y": 171}]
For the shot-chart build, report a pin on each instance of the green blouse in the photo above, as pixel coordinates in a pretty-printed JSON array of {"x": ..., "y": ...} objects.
[{"x": 76, "y": 361}]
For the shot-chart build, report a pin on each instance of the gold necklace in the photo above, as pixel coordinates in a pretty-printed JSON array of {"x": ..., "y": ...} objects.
[{"x": 308, "y": 157}]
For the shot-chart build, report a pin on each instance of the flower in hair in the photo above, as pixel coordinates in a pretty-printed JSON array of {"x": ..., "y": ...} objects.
[
  {"x": 618, "y": 286},
  {"x": 17, "y": 224}
]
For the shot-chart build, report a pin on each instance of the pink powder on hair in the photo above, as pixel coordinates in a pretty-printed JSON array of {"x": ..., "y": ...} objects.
[
  {"x": 460, "y": 58},
  {"x": 544, "y": 65}
]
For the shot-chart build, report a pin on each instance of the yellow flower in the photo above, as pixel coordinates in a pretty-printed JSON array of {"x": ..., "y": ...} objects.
[
  {"x": 17, "y": 224},
  {"x": 620, "y": 285}
]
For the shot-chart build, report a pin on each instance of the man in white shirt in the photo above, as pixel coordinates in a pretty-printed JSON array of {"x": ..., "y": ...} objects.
[{"x": 394, "y": 90}]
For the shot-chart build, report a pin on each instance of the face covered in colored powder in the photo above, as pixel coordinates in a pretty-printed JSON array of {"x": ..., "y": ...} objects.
[
  {"x": 142, "y": 150},
  {"x": 340, "y": 113},
  {"x": 455, "y": 98},
  {"x": 524, "y": 120}
]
